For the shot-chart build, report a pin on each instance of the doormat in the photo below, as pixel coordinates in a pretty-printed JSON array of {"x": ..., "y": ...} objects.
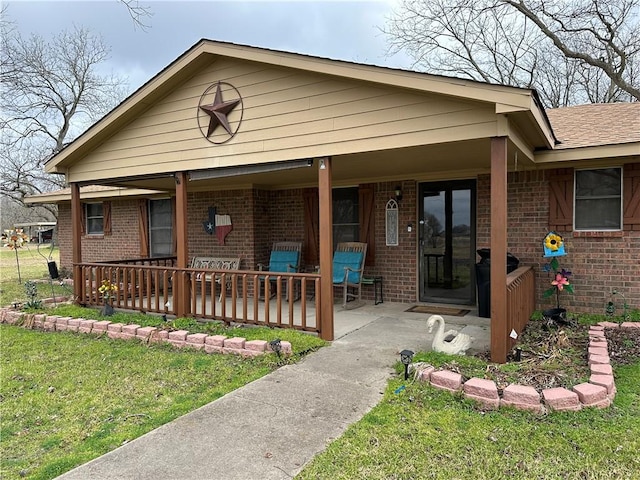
[{"x": 437, "y": 310}]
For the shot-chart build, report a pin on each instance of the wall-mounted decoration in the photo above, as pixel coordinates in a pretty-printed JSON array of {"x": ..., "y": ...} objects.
[
  {"x": 227, "y": 114},
  {"x": 553, "y": 245},
  {"x": 218, "y": 224},
  {"x": 391, "y": 226}
]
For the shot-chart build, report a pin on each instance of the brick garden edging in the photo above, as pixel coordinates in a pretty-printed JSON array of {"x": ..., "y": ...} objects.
[
  {"x": 599, "y": 392},
  {"x": 179, "y": 338}
]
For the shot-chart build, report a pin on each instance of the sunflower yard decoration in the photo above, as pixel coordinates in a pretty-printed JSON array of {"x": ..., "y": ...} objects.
[{"x": 553, "y": 245}]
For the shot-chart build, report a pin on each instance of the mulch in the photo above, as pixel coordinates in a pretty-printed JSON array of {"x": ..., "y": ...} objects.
[{"x": 557, "y": 356}]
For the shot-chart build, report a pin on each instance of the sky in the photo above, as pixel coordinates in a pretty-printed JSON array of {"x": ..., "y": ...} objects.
[{"x": 344, "y": 30}]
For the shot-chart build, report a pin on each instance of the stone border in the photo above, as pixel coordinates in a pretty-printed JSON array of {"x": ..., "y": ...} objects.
[
  {"x": 180, "y": 338},
  {"x": 599, "y": 392}
]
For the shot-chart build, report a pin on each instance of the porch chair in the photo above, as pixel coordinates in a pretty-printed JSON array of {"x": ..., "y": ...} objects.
[
  {"x": 348, "y": 266},
  {"x": 285, "y": 257}
]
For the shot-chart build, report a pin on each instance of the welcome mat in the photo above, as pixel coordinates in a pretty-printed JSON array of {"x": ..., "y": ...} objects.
[{"x": 437, "y": 310}]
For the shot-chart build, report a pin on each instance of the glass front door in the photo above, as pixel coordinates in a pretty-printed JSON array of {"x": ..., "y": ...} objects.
[{"x": 447, "y": 242}]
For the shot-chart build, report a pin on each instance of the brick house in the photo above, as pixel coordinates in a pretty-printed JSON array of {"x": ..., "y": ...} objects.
[{"x": 425, "y": 169}]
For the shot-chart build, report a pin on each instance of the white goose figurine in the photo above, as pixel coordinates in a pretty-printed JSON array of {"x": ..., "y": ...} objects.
[{"x": 457, "y": 346}]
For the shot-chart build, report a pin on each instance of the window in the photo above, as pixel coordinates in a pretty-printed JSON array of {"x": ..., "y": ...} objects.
[
  {"x": 94, "y": 217},
  {"x": 160, "y": 228},
  {"x": 598, "y": 199},
  {"x": 346, "y": 225}
]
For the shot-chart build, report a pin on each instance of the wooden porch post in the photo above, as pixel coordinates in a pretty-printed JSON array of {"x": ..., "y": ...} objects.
[
  {"x": 76, "y": 239},
  {"x": 181, "y": 288},
  {"x": 499, "y": 324},
  {"x": 326, "y": 247}
]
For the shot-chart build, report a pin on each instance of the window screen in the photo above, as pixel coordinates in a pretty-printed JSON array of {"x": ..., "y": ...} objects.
[{"x": 598, "y": 199}]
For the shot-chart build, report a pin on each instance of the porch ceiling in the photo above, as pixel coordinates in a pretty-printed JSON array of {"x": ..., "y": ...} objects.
[{"x": 441, "y": 161}]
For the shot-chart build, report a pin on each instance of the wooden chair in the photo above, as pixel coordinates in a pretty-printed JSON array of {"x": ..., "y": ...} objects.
[
  {"x": 348, "y": 266},
  {"x": 285, "y": 258}
]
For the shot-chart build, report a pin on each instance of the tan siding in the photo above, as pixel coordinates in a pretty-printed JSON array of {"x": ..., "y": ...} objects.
[{"x": 287, "y": 115}]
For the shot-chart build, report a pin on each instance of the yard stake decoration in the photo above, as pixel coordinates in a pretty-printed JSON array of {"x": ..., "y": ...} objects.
[{"x": 14, "y": 240}]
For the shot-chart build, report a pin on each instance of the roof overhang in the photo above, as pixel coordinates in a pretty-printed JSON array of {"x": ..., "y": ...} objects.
[{"x": 521, "y": 105}]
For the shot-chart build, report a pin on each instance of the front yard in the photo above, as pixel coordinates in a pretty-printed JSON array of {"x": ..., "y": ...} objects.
[{"x": 68, "y": 398}]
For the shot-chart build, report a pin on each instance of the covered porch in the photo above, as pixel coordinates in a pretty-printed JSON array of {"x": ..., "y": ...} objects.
[{"x": 268, "y": 138}]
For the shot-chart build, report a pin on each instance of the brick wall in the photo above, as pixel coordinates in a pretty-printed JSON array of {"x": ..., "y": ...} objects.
[
  {"x": 124, "y": 241},
  {"x": 599, "y": 261}
]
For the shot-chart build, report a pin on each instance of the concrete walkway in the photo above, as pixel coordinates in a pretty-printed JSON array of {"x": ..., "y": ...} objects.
[{"x": 272, "y": 427}]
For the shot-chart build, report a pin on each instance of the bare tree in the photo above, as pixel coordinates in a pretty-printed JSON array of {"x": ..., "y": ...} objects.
[
  {"x": 571, "y": 52},
  {"x": 139, "y": 13},
  {"x": 51, "y": 90}
]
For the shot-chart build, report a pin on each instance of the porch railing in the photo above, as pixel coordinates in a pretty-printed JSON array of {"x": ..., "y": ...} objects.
[
  {"x": 287, "y": 300},
  {"x": 521, "y": 301}
]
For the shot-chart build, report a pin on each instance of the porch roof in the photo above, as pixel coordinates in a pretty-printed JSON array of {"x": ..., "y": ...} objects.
[{"x": 526, "y": 118}]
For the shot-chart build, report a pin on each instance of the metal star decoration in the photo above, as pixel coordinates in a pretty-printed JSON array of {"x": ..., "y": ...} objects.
[{"x": 218, "y": 112}]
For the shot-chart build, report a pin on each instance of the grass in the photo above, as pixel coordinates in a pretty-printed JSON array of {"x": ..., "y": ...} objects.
[
  {"x": 420, "y": 432},
  {"x": 68, "y": 398},
  {"x": 33, "y": 266}
]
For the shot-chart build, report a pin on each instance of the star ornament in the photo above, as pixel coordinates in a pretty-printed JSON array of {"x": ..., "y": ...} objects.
[{"x": 218, "y": 112}]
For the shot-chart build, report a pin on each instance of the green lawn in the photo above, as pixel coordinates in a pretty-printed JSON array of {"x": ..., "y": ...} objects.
[
  {"x": 33, "y": 266},
  {"x": 67, "y": 398},
  {"x": 422, "y": 433}
]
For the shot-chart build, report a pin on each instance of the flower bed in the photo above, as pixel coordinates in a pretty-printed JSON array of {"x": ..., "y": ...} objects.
[{"x": 598, "y": 392}]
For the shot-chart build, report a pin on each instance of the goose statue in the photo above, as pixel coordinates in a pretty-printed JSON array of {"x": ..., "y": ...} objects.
[{"x": 457, "y": 346}]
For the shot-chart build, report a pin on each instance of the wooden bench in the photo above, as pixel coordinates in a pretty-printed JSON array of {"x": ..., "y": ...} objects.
[{"x": 215, "y": 263}]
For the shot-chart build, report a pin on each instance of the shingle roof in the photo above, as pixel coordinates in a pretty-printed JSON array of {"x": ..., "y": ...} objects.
[{"x": 596, "y": 124}]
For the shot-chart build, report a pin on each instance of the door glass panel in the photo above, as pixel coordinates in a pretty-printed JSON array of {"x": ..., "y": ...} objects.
[{"x": 447, "y": 242}]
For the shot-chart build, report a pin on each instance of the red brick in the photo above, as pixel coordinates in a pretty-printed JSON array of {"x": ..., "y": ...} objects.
[
  {"x": 196, "y": 340},
  {"x": 606, "y": 381},
  {"x": 143, "y": 333},
  {"x": 598, "y": 351},
  {"x": 601, "y": 369},
  {"x": 129, "y": 331},
  {"x": 598, "y": 359},
  {"x": 256, "y": 345},
  {"x": 561, "y": 399},
  {"x": 590, "y": 394},
  {"x": 609, "y": 324},
  {"x": 630, "y": 324},
  {"x": 114, "y": 330},
  {"x": 61, "y": 323},
  {"x": 178, "y": 338},
  {"x": 235, "y": 343},
  {"x": 101, "y": 326},
  {"x": 521, "y": 394},
  {"x": 215, "y": 340},
  {"x": 446, "y": 380},
  {"x": 482, "y": 391},
  {"x": 481, "y": 387},
  {"x": 73, "y": 324},
  {"x": 424, "y": 373}
]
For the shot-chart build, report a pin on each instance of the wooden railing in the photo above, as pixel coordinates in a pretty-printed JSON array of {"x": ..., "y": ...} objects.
[
  {"x": 168, "y": 261},
  {"x": 286, "y": 300},
  {"x": 521, "y": 299}
]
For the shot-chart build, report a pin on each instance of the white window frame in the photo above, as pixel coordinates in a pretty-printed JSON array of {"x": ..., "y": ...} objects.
[{"x": 576, "y": 199}]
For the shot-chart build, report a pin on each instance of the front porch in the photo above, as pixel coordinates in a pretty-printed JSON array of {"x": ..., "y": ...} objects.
[{"x": 157, "y": 286}]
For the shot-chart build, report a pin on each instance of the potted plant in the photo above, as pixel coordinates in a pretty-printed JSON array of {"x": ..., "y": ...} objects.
[{"x": 107, "y": 291}]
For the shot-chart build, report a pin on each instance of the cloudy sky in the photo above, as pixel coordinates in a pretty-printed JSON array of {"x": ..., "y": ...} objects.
[{"x": 345, "y": 30}]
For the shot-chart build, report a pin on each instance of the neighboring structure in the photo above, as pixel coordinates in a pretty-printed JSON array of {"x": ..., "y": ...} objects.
[{"x": 425, "y": 169}]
